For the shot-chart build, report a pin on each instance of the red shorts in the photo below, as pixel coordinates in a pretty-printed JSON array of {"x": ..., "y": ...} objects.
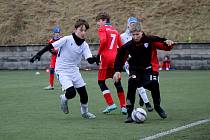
[{"x": 104, "y": 74}]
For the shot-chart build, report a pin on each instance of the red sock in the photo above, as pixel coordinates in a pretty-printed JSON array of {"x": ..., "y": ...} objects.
[
  {"x": 108, "y": 98},
  {"x": 51, "y": 80},
  {"x": 121, "y": 96}
]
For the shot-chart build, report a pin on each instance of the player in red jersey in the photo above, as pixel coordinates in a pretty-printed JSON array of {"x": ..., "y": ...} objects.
[
  {"x": 56, "y": 36},
  {"x": 109, "y": 43}
]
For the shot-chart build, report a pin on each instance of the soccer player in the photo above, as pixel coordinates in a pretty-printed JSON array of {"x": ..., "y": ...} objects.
[
  {"x": 143, "y": 67},
  {"x": 71, "y": 49},
  {"x": 56, "y": 36},
  {"x": 109, "y": 43},
  {"x": 125, "y": 37}
]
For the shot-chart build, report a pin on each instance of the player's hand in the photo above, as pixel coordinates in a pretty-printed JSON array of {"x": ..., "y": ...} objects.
[
  {"x": 117, "y": 77},
  {"x": 98, "y": 59},
  {"x": 169, "y": 42},
  {"x": 34, "y": 58}
]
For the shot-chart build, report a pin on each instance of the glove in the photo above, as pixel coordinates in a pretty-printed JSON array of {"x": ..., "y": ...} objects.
[
  {"x": 98, "y": 59},
  {"x": 34, "y": 58},
  {"x": 117, "y": 77}
]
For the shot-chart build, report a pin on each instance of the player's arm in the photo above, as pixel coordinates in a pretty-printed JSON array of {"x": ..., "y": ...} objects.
[
  {"x": 41, "y": 52},
  {"x": 120, "y": 43},
  {"x": 122, "y": 55},
  {"x": 103, "y": 40},
  {"x": 166, "y": 45},
  {"x": 120, "y": 59}
]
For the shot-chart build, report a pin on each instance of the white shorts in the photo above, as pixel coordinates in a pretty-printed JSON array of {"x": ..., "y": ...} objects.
[{"x": 70, "y": 79}]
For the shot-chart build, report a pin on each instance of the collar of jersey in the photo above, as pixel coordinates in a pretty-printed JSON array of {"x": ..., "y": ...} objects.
[
  {"x": 78, "y": 40},
  {"x": 108, "y": 24}
]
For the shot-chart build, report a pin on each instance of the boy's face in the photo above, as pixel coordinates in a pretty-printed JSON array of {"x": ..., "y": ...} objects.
[
  {"x": 130, "y": 26},
  {"x": 101, "y": 22},
  {"x": 81, "y": 32},
  {"x": 137, "y": 35}
]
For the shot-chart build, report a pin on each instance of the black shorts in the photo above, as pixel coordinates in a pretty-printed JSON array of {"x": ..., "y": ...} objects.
[{"x": 144, "y": 77}]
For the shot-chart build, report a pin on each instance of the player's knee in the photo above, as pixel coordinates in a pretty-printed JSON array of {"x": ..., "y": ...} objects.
[
  {"x": 52, "y": 70},
  {"x": 83, "y": 95},
  {"x": 70, "y": 93},
  {"x": 118, "y": 86},
  {"x": 102, "y": 85}
]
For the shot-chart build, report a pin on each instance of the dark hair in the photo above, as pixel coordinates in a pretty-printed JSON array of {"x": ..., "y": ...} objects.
[
  {"x": 103, "y": 16},
  {"x": 80, "y": 22}
]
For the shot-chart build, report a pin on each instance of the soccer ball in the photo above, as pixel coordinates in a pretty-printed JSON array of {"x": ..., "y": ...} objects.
[{"x": 139, "y": 115}]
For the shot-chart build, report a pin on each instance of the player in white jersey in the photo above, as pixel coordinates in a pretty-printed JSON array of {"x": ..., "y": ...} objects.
[
  {"x": 71, "y": 49},
  {"x": 125, "y": 37}
]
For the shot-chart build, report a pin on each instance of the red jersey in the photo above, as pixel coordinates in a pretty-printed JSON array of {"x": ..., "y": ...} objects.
[{"x": 109, "y": 43}]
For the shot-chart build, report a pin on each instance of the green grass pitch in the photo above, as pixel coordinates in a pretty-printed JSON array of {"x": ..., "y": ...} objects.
[{"x": 27, "y": 112}]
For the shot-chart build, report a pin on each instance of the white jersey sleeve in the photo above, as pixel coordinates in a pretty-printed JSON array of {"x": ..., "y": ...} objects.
[
  {"x": 86, "y": 52},
  {"x": 59, "y": 43}
]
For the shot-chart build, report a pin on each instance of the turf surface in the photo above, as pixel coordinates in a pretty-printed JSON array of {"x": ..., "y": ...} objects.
[{"x": 29, "y": 112}]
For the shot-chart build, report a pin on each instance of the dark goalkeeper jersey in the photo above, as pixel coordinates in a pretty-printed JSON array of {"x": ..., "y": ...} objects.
[{"x": 141, "y": 54}]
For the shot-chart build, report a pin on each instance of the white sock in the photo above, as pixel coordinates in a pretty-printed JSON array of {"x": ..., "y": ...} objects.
[
  {"x": 143, "y": 94},
  {"x": 83, "y": 108},
  {"x": 64, "y": 97}
]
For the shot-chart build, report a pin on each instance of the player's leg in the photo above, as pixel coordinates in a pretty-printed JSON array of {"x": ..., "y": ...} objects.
[
  {"x": 84, "y": 103},
  {"x": 70, "y": 93},
  {"x": 107, "y": 96},
  {"x": 143, "y": 96},
  {"x": 130, "y": 99},
  {"x": 121, "y": 97},
  {"x": 102, "y": 76},
  {"x": 52, "y": 73},
  {"x": 153, "y": 86}
]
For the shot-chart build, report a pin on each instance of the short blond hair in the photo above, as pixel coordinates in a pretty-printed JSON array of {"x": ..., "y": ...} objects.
[{"x": 136, "y": 27}]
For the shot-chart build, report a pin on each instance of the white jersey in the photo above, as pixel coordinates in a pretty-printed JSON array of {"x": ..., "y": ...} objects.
[
  {"x": 126, "y": 36},
  {"x": 70, "y": 54},
  {"x": 68, "y": 58}
]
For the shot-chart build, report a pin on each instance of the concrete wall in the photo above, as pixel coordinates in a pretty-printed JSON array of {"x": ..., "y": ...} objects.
[
  {"x": 189, "y": 56},
  {"x": 183, "y": 56}
]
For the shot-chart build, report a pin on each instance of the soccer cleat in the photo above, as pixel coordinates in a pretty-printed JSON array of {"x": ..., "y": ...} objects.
[
  {"x": 64, "y": 105},
  {"x": 161, "y": 112},
  {"x": 124, "y": 111},
  {"x": 109, "y": 108},
  {"x": 88, "y": 115},
  {"x": 141, "y": 102},
  {"x": 48, "y": 88},
  {"x": 129, "y": 120},
  {"x": 149, "y": 107}
]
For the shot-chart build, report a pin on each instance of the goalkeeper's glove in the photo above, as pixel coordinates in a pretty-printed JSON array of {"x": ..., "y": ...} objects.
[{"x": 34, "y": 58}]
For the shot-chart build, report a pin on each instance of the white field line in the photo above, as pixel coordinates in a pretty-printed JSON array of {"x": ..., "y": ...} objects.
[{"x": 158, "y": 135}]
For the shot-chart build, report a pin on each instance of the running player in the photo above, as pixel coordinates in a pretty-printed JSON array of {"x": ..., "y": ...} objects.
[
  {"x": 143, "y": 67},
  {"x": 109, "y": 43},
  {"x": 71, "y": 49},
  {"x": 125, "y": 37}
]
